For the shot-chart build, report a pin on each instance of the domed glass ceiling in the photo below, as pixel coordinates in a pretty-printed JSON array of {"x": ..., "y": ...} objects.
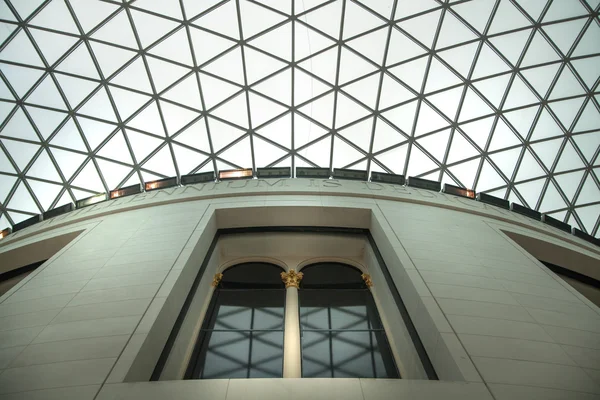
[{"x": 497, "y": 95}]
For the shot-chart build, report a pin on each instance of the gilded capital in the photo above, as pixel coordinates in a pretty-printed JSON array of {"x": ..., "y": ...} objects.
[
  {"x": 291, "y": 278},
  {"x": 216, "y": 280},
  {"x": 367, "y": 279}
]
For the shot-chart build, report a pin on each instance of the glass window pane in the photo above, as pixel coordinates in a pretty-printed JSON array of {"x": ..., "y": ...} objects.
[
  {"x": 226, "y": 355},
  {"x": 267, "y": 355},
  {"x": 316, "y": 355}
]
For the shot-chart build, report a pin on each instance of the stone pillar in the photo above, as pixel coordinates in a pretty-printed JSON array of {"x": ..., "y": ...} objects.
[{"x": 292, "y": 359}]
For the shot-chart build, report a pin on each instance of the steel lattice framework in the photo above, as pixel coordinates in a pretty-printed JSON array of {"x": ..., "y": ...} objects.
[{"x": 497, "y": 95}]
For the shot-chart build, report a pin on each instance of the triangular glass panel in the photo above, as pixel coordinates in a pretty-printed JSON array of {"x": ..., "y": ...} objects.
[
  {"x": 113, "y": 173},
  {"x": 507, "y": 18},
  {"x": 453, "y": 32},
  {"x": 80, "y": 194},
  {"x": 465, "y": 172},
  {"x": 43, "y": 168},
  {"x": 326, "y": 19},
  {"x": 461, "y": 149},
  {"x": 358, "y": 20},
  {"x": 503, "y": 137},
  {"x": 569, "y": 159},
  {"x": 255, "y": 19},
  {"x": 68, "y": 136},
  {"x": 148, "y": 120},
  {"x": 324, "y": 65},
  {"x": 24, "y": 8},
  {"x": 116, "y": 149},
  {"x": 141, "y": 144},
  {"x": 473, "y": 107},
  {"x": 359, "y": 67},
  {"x": 215, "y": 90},
  {"x": 344, "y": 154},
  {"x": 411, "y": 73},
  {"x": 321, "y": 110},
  {"x": 421, "y": 27},
  {"x": 478, "y": 131},
  {"x": 277, "y": 5},
  {"x": 589, "y": 119},
  {"x": 263, "y": 109},
  {"x": 552, "y": 200},
  {"x": 360, "y": 133},
  {"x": 150, "y": 28},
  {"x": 440, "y": 77},
  {"x": 394, "y": 159},
  {"x": 539, "y": 52},
  {"x": 569, "y": 183},
  {"x": 110, "y": 58},
  {"x": 280, "y": 131},
  {"x": 88, "y": 179},
  {"x": 22, "y": 200},
  {"x": 566, "y": 110},
  {"x": 406, "y": 9},
  {"x": 371, "y": 45},
  {"x": 530, "y": 191},
  {"x": 75, "y": 89},
  {"x": 547, "y": 151},
  {"x": 488, "y": 178},
  {"x": 214, "y": 20},
  {"x": 589, "y": 43},
  {"x": 5, "y": 166},
  {"x": 20, "y": 50},
  {"x": 319, "y": 152},
  {"x": 348, "y": 111},
  {"x": 52, "y": 45},
  {"x": 118, "y": 31},
  {"x": 429, "y": 120},
  {"x": 6, "y": 184},
  {"x": 493, "y": 88},
  {"x": 564, "y": 9},
  {"x": 476, "y": 13},
  {"x": 460, "y": 58},
  {"x": 195, "y": 136},
  {"x": 222, "y": 134},
  {"x": 522, "y": 119},
  {"x": 365, "y": 90},
  {"x": 176, "y": 117},
  {"x": 588, "y": 69},
  {"x": 529, "y": 168},
  {"x": 519, "y": 95},
  {"x": 489, "y": 63},
  {"x": 174, "y": 48},
  {"x": 148, "y": 177},
  {"x": 403, "y": 117},
  {"x": 437, "y": 144},
  {"x": 79, "y": 62},
  {"x": 5, "y": 92},
  {"x": 20, "y": 152},
  {"x": 46, "y": 94},
  {"x": 91, "y": 14},
  {"x": 208, "y": 45},
  {"x": 506, "y": 161},
  {"x": 541, "y": 77},
  {"x": 187, "y": 160},
  {"x": 305, "y": 131},
  {"x": 447, "y": 101},
  {"x": 276, "y": 42},
  {"x": 161, "y": 163},
  {"x": 99, "y": 106},
  {"x": 265, "y": 153},
  {"x": 306, "y": 87},
  {"x": 402, "y": 48},
  {"x": 164, "y": 73},
  {"x": 234, "y": 111},
  {"x": 228, "y": 66},
  {"x": 127, "y": 102},
  {"x": 279, "y": 87},
  {"x": 21, "y": 79},
  {"x": 588, "y": 144},
  {"x": 386, "y": 136},
  {"x": 55, "y": 15},
  {"x": 185, "y": 92},
  {"x": 589, "y": 216},
  {"x": 564, "y": 34},
  {"x": 393, "y": 93},
  {"x": 259, "y": 65},
  {"x": 566, "y": 86},
  {"x": 308, "y": 41},
  {"x": 67, "y": 161},
  {"x": 134, "y": 76},
  {"x": 170, "y": 8},
  {"x": 19, "y": 127},
  {"x": 589, "y": 192},
  {"x": 546, "y": 127},
  {"x": 94, "y": 131},
  {"x": 240, "y": 154},
  {"x": 511, "y": 45}
]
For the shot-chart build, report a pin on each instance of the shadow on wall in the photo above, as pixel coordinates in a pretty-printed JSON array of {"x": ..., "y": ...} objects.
[{"x": 580, "y": 271}]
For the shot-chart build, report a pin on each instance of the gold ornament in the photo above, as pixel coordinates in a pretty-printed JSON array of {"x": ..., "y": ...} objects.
[
  {"x": 292, "y": 278},
  {"x": 216, "y": 280},
  {"x": 367, "y": 279}
]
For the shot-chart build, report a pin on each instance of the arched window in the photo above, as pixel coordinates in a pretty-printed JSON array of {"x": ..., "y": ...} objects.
[
  {"x": 242, "y": 333},
  {"x": 341, "y": 332}
]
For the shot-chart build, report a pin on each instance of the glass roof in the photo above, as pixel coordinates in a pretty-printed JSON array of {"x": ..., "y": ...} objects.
[{"x": 496, "y": 95}]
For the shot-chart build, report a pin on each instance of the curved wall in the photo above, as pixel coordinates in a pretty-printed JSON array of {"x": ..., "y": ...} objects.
[{"x": 491, "y": 317}]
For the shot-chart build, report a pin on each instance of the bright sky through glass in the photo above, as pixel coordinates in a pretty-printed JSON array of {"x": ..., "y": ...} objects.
[{"x": 500, "y": 96}]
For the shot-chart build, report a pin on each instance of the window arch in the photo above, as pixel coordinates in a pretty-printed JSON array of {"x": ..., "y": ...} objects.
[
  {"x": 341, "y": 331},
  {"x": 242, "y": 332}
]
